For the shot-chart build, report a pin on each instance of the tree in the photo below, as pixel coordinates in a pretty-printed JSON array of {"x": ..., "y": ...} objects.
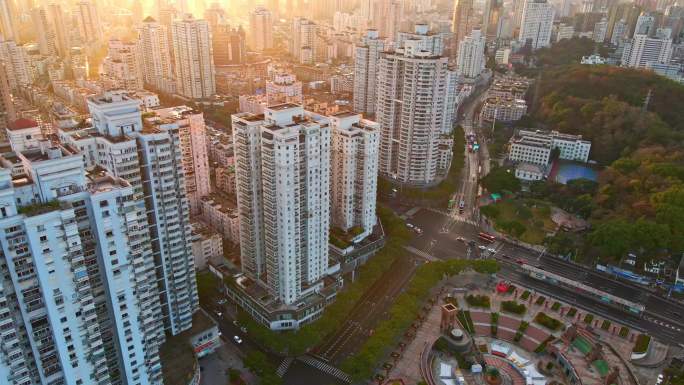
[{"x": 499, "y": 180}]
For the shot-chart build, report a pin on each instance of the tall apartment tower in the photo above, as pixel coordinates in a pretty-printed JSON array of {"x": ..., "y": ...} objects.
[
  {"x": 643, "y": 49},
  {"x": 412, "y": 125},
  {"x": 121, "y": 67},
  {"x": 282, "y": 166},
  {"x": 229, "y": 45},
  {"x": 192, "y": 51},
  {"x": 429, "y": 41},
  {"x": 355, "y": 151},
  {"x": 76, "y": 297},
  {"x": 471, "y": 55},
  {"x": 150, "y": 160},
  {"x": 88, "y": 21},
  {"x": 154, "y": 54},
  {"x": 303, "y": 40},
  {"x": 193, "y": 145},
  {"x": 536, "y": 24},
  {"x": 492, "y": 19},
  {"x": 8, "y": 21},
  {"x": 367, "y": 55},
  {"x": 260, "y": 35},
  {"x": 461, "y": 23},
  {"x": 61, "y": 34},
  {"x": 7, "y": 112},
  {"x": 44, "y": 32}
]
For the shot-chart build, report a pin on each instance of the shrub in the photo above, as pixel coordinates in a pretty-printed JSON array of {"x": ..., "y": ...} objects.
[
  {"x": 624, "y": 332},
  {"x": 540, "y": 301},
  {"x": 605, "y": 325},
  {"x": 641, "y": 344},
  {"x": 490, "y": 211},
  {"x": 549, "y": 322},
  {"x": 588, "y": 318},
  {"x": 478, "y": 301},
  {"x": 555, "y": 306},
  {"x": 518, "y": 336},
  {"x": 513, "y": 307},
  {"x": 549, "y": 366},
  {"x": 525, "y": 295},
  {"x": 542, "y": 346},
  {"x": 572, "y": 312}
]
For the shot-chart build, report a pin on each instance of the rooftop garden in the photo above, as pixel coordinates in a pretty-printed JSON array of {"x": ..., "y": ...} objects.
[
  {"x": 478, "y": 301},
  {"x": 39, "y": 208},
  {"x": 513, "y": 307},
  {"x": 641, "y": 344}
]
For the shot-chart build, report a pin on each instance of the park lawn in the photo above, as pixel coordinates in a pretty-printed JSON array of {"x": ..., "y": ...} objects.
[{"x": 534, "y": 215}]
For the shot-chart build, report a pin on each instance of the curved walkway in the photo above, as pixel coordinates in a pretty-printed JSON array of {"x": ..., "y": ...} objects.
[{"x": 505, "y": 367}]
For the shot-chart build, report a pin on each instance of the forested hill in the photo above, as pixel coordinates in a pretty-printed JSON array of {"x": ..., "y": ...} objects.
[{"x": 638, "y": 204}]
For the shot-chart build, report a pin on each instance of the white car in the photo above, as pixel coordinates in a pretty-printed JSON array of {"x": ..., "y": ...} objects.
[
  {"x": 237, "y": 339},
  {"x": 410, "y": 226},
  {"x": 243, "y": 329},
  {"x": 482, "y": 248},
  {"x": 491, "y": 250}
]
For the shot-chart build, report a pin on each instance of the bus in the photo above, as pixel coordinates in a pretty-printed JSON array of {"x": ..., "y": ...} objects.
[{"x": 488, "y": 238}]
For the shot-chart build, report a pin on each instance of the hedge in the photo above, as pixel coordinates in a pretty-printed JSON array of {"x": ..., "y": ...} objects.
[
  {"x": 624, "y": 332},
  {"x": 540, "y": 301},
  {"x": 555, "y": 306},
  {"x": 605, "y": 325},
  {"x": 525, "y": 295},
  {"x": 549, "y": 322},
  {"x": 478, "y": 301},
  {"x": 494, "y": 323},
  {"x": 513, "y": 307},
  {"x": 588, "y": 318},
  {"x": 572, "y": 312},
  {"x": 641, "y": 344}
]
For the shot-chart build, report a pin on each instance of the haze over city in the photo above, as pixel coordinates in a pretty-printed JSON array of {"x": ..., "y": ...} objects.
[{"x": 391, "y": 192}]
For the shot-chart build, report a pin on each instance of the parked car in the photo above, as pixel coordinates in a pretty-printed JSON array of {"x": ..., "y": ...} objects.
[{"x": 237, "y": 339}]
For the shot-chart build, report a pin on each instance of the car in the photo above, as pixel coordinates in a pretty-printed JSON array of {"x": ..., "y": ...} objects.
[
  {"x": 409, "y": 225},
  {"x": 491, "y": 250},
  {"x": 243, "y": 329},
  {"x": 505, "y": 256},
  {"x": 418, "y": 230},
  {"x": 460, "y": 239},
  {"x": 236, "y": 323},
  {"x": 520, "y": 261},
  {"x": 237, "y": 340},
  {"x": 221, "y": 301},
  {"x": 218, "y": 313},
  {"x": 482, "y": 248}
]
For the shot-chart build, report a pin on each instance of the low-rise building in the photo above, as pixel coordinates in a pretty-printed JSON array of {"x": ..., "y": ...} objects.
[
  {"x": 207, "y": 245},
  {"x": 536, "y": 147},
  {"x": 221, "y": 214},
  {"x": 529, "y": 172},
  {"x": 503, "y": 109}
]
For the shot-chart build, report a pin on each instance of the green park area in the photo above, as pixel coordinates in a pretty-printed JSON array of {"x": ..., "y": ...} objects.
[{"x": 526, "y": 219}]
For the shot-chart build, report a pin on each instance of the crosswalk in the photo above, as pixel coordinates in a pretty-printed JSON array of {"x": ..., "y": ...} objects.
[
  {"x": 421, "y": 253},
  {"x": 326, "y": 368},
  {"x": 282, "y": 368}
]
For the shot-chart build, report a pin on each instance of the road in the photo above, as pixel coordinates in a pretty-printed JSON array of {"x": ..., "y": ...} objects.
[{"x": 368, "y": 312}]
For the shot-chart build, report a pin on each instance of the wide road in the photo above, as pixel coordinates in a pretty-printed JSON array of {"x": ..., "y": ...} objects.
[
  {"x": 660, "y": 317},
  {"x": 368, "y": 312}
]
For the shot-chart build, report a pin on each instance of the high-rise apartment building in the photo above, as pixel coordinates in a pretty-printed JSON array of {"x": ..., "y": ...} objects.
[
  {"x": 229, "y": 45},
  {"x": 121, "y": 68},
  {"x": 282, "y": 166},
  {"x": 303, "y": 40},
  {"x": 150, "y": 159},
  {"x": 429, "y": 41},
  {"x": 193, "y": 145},
  {"x": 471, "y": 55},
  {"x": 17, "y": 65},
  {"x": 88, "y": 20},
  {"x": 44, "y": 32},
  {"x": 536, "y": 24},
  {"x": 461, "y": 23},
  {"x": 192, "y": 52},
  {"x": 492, "y": 19},
  {"x": 260, "y": 35},
  {"x": 619, "y": 33},
  {"x": 643, "y": 49},
  {"x": 367, "y": 55},
  {"x": 9, "y": 18},
  {"x": 61, "y": 34},
  {"x": 7, "y": 113},
  {"x": 355, "y": 150},
  {"x": 77, "y": 295},
  {"x": 154, "y": 54},
  {"x": 412, "y": 126}
]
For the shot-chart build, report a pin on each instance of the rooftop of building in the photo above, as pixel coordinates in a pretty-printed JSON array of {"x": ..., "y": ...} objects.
[
  {"x": 177, "y": 355},
  {"x": 21, "y": 124},
  {"x": 99, "y": 180}
]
